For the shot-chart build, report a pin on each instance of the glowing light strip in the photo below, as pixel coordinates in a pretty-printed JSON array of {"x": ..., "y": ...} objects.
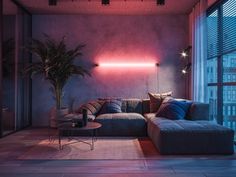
[{"x": 127, "y": 65}]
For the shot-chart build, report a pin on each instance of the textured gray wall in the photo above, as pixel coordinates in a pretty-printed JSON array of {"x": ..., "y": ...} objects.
[{"x": 115, "y": 38}]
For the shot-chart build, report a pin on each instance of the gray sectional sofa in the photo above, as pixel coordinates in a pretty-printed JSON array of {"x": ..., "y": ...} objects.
[{"x": 193, "y": 135}]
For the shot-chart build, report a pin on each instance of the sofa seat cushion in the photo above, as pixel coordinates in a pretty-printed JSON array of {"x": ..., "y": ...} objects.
[
  {"x": 190, "y": 137},
  {"x": 122, "y": 124}
]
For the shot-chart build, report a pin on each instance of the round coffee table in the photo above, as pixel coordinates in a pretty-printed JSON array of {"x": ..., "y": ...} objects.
[{"x": 91, "y": 126}]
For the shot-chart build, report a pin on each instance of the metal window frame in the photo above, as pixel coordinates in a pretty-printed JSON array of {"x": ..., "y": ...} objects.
[
  {"x": 220, "y": 84},
  {"x": 1, "y": 38}
]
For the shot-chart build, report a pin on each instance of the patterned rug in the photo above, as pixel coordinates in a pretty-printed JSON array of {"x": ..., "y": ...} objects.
[{"x": 104, "y": 148}]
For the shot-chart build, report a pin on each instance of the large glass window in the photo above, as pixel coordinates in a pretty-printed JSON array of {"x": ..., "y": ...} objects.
[
  {"x": 212, "y": 97},
  {"x": 229, "y": 106},
  {"x": 229, "y": 67},
  {"x": 221, "y": 63},
  {"x": 8, "y": 68},
  {"x": 16, "y": 88},
  {"x": 211, "y": 70}
]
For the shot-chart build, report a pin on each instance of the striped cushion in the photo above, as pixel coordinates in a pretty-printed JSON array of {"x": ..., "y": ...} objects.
[{"x": 93, "y": 107}]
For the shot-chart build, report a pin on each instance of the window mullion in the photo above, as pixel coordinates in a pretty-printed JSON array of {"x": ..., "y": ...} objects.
[{"x": 220, "y": 67}]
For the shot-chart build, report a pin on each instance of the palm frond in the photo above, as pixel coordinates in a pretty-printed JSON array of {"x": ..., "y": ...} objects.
[{"x": 56, "y": 62}]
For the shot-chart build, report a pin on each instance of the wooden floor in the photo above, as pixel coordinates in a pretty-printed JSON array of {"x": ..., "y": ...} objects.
[{"x": 165, "y": 166}]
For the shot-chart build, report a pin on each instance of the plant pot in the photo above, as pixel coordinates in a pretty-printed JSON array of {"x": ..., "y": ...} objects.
[{"x": 56, "y": 114}]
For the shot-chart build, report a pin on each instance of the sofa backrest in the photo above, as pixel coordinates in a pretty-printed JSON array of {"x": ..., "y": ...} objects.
[
  {"x": 132, "y": 105},
  {"x": 146, "y": 106},
  {"x": 197, "y": 111},
  {"x": 140, "y": 106}
]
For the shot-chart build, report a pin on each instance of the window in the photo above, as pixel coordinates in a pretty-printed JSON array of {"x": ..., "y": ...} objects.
[{"x": 221, "y": 56}]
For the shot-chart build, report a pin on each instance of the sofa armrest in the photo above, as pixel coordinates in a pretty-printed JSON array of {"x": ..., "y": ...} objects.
[{"x": 198, "y": 111}]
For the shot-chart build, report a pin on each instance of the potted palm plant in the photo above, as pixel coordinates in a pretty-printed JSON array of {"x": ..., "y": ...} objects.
[{"x": 57, "y": 65}]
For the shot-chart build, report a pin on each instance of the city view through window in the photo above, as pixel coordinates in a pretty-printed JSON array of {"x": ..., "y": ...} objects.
[{"x": 221, "y": 64}]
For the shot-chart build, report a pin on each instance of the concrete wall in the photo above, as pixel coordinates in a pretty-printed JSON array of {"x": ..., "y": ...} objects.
[{"x": 117, "y": 38}]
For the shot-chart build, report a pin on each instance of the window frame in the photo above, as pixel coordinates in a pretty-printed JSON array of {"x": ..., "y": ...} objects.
[{"x": 220, "y": 82}]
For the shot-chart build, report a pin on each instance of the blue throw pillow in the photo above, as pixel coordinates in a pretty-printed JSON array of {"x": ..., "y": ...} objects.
[
  {"x": 173, "y": 109},
  {"x": 111, "y": 106}
]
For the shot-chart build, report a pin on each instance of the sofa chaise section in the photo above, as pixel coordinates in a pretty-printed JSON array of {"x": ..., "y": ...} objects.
[
  {"x": 194, "y": 135},
  {"x": 190, "y": 137}
]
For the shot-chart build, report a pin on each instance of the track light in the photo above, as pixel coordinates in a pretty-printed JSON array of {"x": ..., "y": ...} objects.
[
  {"x": 105, "y": 2},
  {"x": 52, "y": 2},
  {"x": 186, "y": 68},
  {"x": 186, "y": 52},
  {"x": 161, "y": 2}
]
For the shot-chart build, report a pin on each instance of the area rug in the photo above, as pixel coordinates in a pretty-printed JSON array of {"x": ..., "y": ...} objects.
[{"x": 104, "y": 148}]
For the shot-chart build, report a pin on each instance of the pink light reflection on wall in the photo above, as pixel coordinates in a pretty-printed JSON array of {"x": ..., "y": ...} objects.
[{"x": 121, "y": 76}]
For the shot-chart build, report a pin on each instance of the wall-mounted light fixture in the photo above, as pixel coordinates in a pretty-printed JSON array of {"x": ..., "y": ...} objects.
[
  {"x": 161, "y": 2},
  {"x": 52, "y": 2},
  {"x": 186, "y": 55},
  {"x": 186, "y": 68},
  {"x": 127, "y": 65},
  {"x": 105, "y": 2}
]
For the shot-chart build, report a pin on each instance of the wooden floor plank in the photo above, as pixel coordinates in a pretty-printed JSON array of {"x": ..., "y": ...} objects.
[
  {"x": 14, "y": 145},
  {"x": 135, "y": 175},
  {"x": 31, "y": 175}
]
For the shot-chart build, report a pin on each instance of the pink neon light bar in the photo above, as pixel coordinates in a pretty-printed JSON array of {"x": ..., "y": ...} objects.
[{"x": 128, "y": 65}]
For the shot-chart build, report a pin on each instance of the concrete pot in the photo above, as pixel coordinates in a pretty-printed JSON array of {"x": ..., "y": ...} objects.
[{"x": 55, "y": 114}]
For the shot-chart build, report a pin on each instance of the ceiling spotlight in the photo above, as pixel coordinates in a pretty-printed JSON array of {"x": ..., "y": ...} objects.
[
  {"x": 105, "y": 2},
  {"x": 52, "y": 2},
  {"x": 161, "y": 2}
]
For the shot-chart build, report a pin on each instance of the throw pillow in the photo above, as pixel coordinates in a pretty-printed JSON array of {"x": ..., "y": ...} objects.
[
  {"x": 111, "y": 106},
  {"x": 156, "y": 100},
  {"x": 173, "y": 109},
  {"x": 93, "y": 107}
]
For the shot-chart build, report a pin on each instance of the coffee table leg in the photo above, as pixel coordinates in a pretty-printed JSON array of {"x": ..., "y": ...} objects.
[
  {"x": 93, "y": 139},
  {"x": 59, "y": 139}
]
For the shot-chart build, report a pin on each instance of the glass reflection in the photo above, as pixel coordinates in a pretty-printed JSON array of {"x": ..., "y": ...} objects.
[{"x": 8, "y": 67}]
